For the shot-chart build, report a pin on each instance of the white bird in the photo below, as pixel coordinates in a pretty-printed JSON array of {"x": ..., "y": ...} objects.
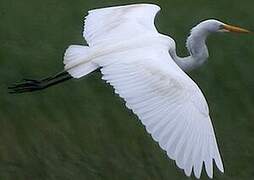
[{"x": 144, "y": 69}]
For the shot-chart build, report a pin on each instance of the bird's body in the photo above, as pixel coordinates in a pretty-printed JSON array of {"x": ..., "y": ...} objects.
[{"x": 143, "y": 67}]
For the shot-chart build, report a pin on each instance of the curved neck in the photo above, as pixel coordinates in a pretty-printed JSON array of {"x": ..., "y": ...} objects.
[{"x": 196, "y": 45}]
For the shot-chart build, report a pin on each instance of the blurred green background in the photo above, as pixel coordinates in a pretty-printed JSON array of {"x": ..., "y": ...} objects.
[{"x": 80, "y": 129}]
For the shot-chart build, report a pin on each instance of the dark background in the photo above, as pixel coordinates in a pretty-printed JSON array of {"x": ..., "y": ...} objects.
[{"x": 80, "y": 129}]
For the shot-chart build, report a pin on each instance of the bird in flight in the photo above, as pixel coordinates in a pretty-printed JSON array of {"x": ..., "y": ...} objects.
[{"x": 144, "y": 69}]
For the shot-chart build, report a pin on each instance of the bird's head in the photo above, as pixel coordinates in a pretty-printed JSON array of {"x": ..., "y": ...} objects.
[{"x": 213, "y": 25}]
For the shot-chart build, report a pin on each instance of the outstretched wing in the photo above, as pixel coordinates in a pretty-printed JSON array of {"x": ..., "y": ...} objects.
[
  {"x": 139, "y": 67},
  {"x": 119, "y": 23},
  {"x": 169, "y": 104}
]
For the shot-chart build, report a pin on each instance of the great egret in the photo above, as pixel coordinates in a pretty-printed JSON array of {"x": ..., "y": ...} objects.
[{"x": 142, "y": 65}]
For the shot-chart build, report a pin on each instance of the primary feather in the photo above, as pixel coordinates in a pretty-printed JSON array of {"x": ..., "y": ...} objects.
[{"x": 134, "y": 58}]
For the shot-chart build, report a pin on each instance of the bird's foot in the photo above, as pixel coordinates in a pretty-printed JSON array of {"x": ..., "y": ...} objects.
[{"x": 28, "y": 85}]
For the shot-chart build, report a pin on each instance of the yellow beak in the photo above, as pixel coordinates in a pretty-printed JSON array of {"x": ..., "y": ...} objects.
[{"x": 235, "y": 29}]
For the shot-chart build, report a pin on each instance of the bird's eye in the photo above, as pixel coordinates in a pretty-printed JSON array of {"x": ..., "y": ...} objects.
[{"x": 221, "y": 27}]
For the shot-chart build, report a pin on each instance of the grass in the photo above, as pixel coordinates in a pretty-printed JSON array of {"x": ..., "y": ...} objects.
[{"x": 80, "y": 129}]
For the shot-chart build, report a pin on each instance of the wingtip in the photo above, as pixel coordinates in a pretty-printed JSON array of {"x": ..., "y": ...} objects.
[
  {"x": 188, "y": 171},
  {"x": 197, "y": 172},
  {"x": 218, "y": 162},
  {"x": 197, "y": 176},
  {"x": 221, "y": 168}
]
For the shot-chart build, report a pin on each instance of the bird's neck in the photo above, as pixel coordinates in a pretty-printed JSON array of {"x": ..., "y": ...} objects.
[{"x": 196, "y": 45}]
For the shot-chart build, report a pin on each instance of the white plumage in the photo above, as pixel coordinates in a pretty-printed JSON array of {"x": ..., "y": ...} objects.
[
  {"x": 134, "y": 58},
  {"x": 119, "y": 23},
  {"x": 144, "y": 69}
]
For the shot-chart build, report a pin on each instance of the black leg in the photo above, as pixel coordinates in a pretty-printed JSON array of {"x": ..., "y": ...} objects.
[{"x": 29, "y": 85}]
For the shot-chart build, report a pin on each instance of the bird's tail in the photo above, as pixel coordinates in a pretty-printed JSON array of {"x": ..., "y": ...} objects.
[{"x": 77, "y": 61}]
